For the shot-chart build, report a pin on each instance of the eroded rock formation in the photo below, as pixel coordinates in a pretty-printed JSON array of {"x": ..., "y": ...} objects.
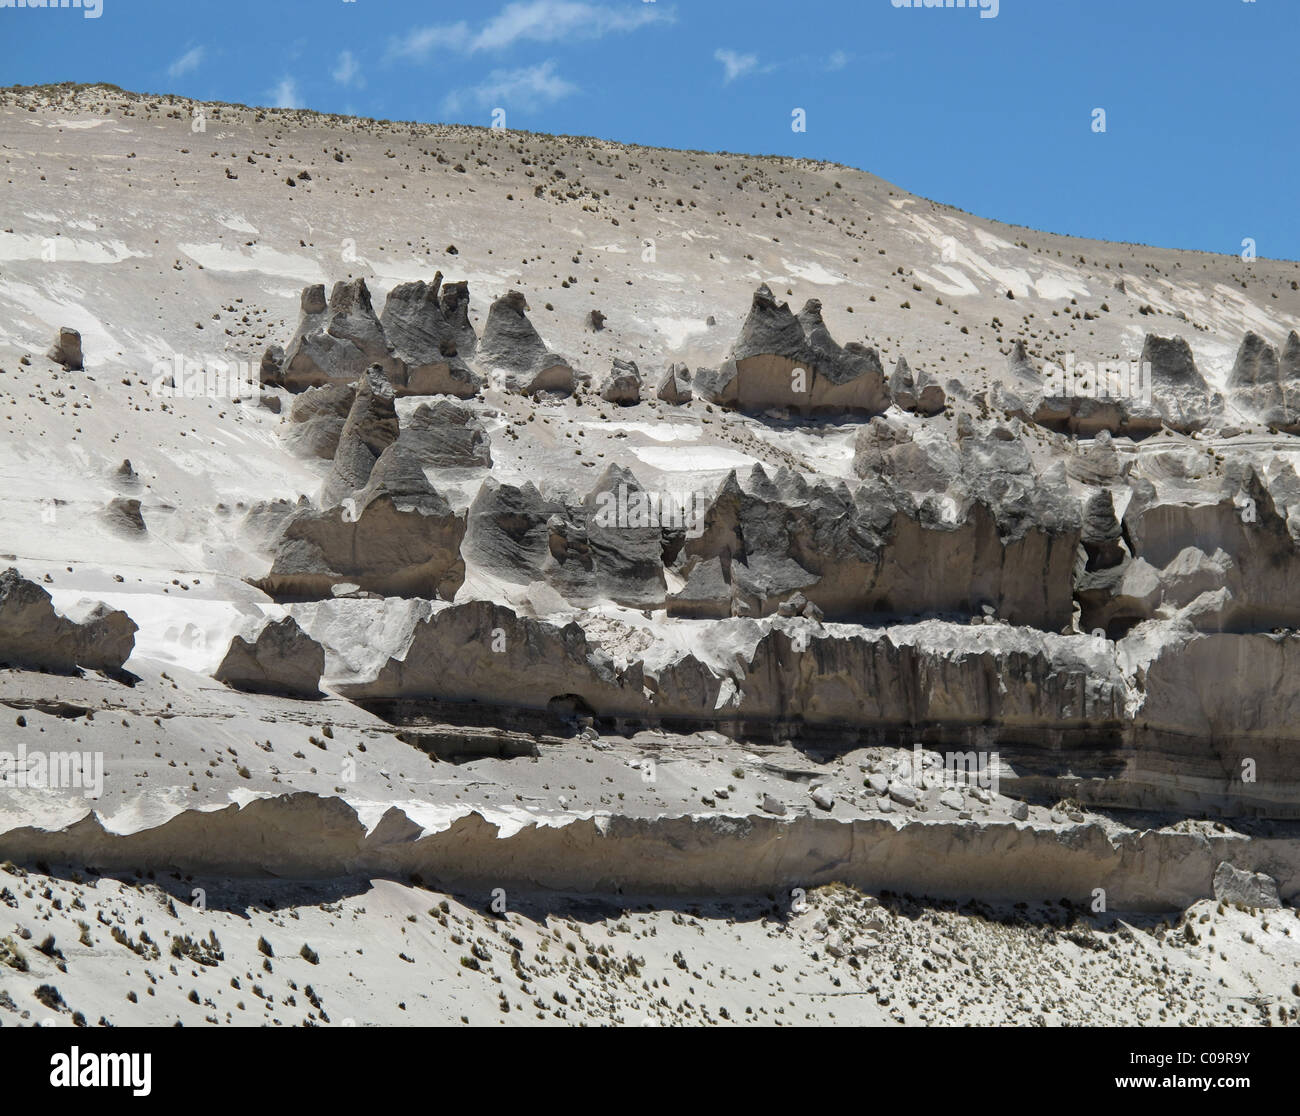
[
  {"x": 317, "y": 417},
  {"x": 1266, "y": 385},
  {"x": 34, "y": 636},
  {"x": 785, "y": 361},
  {"x": 281, "y": 659},
  {"x": 371, "y": 427},
  {"x": 336, "y": 341},
  {"x": 429, "y": 345},
  {"x": 513, "y": 349},
  {"x": 397, "y": 536}
]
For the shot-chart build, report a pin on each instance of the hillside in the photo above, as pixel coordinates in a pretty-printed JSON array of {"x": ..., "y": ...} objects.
[{"x": 634, "y": 532}]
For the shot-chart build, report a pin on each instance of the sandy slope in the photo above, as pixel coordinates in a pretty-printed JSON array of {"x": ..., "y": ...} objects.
[{"x": 364, "y": 953}]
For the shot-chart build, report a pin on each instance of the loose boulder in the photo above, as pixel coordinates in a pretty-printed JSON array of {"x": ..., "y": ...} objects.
[
  {"x": 623, "y": 384},
  {"x": 1246, "y": 889},
  {"x": 66, "y": 349}
]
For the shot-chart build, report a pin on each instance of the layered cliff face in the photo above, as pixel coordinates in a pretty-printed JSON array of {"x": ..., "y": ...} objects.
[
  {"x": 602, "y": 572},
  {"x": 1128, "y": 724},
  {"x": 1006, "y": 532},
  {"x": 878, "y": 551}
]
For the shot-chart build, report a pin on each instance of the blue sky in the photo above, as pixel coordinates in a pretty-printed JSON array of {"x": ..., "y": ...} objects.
[{"x": 991, "y": 114}]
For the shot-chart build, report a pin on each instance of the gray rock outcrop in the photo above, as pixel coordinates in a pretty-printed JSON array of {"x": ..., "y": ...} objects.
[
  {"x": 34, "y": 636},
  {"x": 1245, "y": 889},
  {"x": 66, "y": 349},
  {"x": 919, "y": 392},
  {"x": 1226, "y": 528},
  {"x": 427, "y": 344},
  {"x": 785, "y": 361},
  {"x": 479, "y": 652},
  {"x": 622, "y": 385},
  {"x": 513, "y": 349},
  {"x": 453, "y": 301},
  {"x": 371, "y": 427},
  {"x": 675, "y": 387},
  {"x": 445, "y": 434},
  {"x": 508, "y": 533},
  {"x": 1266, "y": 386},
  {"x": 338, "y": 340},
  {"x": 1178, "y": 390},
  {"x": 625, "y": 539},
  {"x": 282, "y": 659},
  {"x": 396, "y": 537},
  {"x": 607, "y": 547},
  {"x": 272, "y": 362},
  {"x": 122, "y": 516},
  {"x": 316, "y": 419}
]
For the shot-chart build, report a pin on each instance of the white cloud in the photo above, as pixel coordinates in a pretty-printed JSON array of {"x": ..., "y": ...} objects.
[
  {"x": 419, "y": 42},
  {"x": 735, "y": 65},
  {"x": 837, "y": 61},
  {"x": 524, "y": 88},
  {"x": 285, "y": 95},
  {"x": 548, "y": 21},
  {"x": 348, "y": 70},
  {"x": 540, "y": 21},
  {"x": 186, "y": 62}
]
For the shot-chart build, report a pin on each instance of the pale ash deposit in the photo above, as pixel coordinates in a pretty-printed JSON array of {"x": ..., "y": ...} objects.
[{"x": 643, "y": 576}]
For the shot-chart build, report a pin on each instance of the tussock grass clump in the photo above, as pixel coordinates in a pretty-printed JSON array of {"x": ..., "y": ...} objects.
[
  {"x": 202, "y": 952},
  {"x": 50, "y": 997},
  {"x": 12, "y": 956},
  {"x": 146, "y": 948}
]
